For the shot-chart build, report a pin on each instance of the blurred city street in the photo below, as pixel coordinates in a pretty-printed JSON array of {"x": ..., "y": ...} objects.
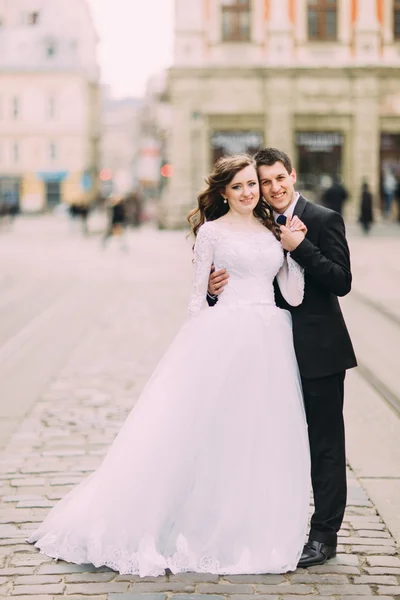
[{"x": 83, "y": 327}]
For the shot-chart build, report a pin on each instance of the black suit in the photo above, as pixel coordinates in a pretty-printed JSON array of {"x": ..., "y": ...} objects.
[
  {"x": 324, "y": 352},
  {"x": 321, "y": 339}
]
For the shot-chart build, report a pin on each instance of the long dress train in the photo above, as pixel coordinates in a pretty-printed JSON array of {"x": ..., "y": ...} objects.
[{"x": 210, "y": 471}]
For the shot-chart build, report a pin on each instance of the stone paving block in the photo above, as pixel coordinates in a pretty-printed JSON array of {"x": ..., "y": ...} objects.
[
  {"x": 319, "y": 578},
  {"x": 383, "y": 561},
  {"x": 131, "y": 596},
  {"x": 21, "y": 497},
  {"x": 28, "y": 482},
  {"x": 36, "y": 579},
  {"x": 376, "y": 579},
  {"x": 23, "y": 516},
  {"x": 34, "y": 590},
  {"x": 91, "y": 597},
  {"x": 312, "y": 597},
  {"x": 35, "y": 504},
  {"x": 29, "y": 597},
  {"x": 355, "y": 541},
  {"x": 54, "y": 567},
  {"x": 158, "y": 579},
  {"x": 389, "y": 550},
  {"x": 17, "y": 571},
  {"x": 28, "y": 560},
  {"x": 191, "y": 578},
  {"x": 250, "y": 597},
  {"x": 355, "y": 520},
  {"x": 371, "y": 533},
  {"x": 285, "y": 588},
  {"x": 368, "y": 597},
  {"x": 253, "y": 579},
  {"x": 89, "y": 577},
  {"x": 333, "y": 569},
  {"x": 224, "y": 588},
  {"x": 96, "y": 588},
  {"x": 393, "y": 590},
  {"x": 383, "y": 570},
  {"x": 163, "y": 586},
  {"x": 344, "y": 559},
  {"x": 368, "y": 525},
  {"x": 344, "y": 590}
]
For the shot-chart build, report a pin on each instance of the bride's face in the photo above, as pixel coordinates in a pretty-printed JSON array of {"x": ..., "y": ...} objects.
[{"x": 243, "y": 192}]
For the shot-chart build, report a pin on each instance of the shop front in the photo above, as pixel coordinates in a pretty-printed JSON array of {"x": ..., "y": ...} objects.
[
  {"x": 319, "y": 161},
  {"x": 224, "y": 143}
]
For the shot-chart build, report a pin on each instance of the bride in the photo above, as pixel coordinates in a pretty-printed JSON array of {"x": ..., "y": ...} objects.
[{"x": 210, "y": 472}]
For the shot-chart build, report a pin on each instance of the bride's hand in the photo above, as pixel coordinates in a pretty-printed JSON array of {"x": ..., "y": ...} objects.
[
  {"x": 292, "y": 234},
  {"x": 297, "y": 225}
]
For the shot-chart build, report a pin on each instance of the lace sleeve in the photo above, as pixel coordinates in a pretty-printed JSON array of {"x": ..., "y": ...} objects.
[
  {"x": 291, "y": 281},
  {"x": 203, "y": 259}
]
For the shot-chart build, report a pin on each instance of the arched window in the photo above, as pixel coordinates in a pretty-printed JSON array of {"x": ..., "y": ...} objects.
[
  {"x": 322, "y": 20},
  {"x": 236, "y": 20},
  {"x": 396, "y": 19}
]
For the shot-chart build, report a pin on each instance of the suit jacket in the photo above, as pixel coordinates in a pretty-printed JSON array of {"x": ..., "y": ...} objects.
[{"x": 321, "y": 340}]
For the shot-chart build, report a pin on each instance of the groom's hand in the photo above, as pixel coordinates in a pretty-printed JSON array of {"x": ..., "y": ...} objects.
[
  {"x": 217, "y": 281},
  {"x": 292, "y": 237}
]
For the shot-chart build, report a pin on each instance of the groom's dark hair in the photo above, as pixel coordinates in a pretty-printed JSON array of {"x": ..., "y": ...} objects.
[{"x": 269, "y": 156}]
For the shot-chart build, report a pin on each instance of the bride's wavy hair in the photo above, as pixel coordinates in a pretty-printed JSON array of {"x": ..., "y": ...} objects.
[{"x": 210, "y": 203}]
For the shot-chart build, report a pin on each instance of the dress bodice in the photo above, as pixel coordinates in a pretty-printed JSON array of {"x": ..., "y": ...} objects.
[{"x": 252, "y": 258}]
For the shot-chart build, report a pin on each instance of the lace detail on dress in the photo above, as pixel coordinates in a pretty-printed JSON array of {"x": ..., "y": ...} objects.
[
  {"x": 203, "y": 259},
  {"x": 291, "y": 281},
  {"x": 148, "y": 562},
  {"x": 296, "y": 274}
]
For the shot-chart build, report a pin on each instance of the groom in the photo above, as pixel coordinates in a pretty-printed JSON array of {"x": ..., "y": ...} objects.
[{"x": 322, "y": 343}]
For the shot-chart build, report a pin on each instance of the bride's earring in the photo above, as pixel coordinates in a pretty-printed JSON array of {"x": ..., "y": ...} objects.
[{"x": 225, "y": 201}]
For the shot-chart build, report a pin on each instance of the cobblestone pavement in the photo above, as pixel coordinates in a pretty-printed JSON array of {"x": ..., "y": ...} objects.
[{"x": 140, "y": 301}]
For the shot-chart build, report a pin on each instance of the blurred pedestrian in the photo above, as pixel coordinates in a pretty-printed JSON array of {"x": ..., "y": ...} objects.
[
  {"x": 134, "y": 201},
  {"x": 79, "y": 211},
  {"x": 397, "y": 198},
  {"x": 335, "y": 196},
  {"x": 117, "y": 220},
  {"x": 389, "y": 185},
  {"x": 366, "y": 217},
  {"x": 83, "y": 213}
]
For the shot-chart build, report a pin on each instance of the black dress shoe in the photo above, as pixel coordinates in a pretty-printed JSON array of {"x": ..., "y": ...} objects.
[{"x": 316, "y": 553}]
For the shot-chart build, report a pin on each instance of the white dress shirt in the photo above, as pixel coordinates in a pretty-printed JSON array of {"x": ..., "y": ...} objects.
[{"x": 289, "y": 211}]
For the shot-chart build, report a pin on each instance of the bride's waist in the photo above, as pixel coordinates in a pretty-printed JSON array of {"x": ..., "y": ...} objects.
[{"x": 243, "y": 293}]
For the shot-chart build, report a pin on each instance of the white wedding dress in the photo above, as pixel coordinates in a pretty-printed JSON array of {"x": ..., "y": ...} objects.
[{"x": 210, "y": 472}]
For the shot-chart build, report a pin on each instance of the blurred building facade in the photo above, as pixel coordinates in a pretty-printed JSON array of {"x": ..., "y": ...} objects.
[
  {"x": 119, "y": 147},
  {"x": 316, "y": 78},
  {"x": 49, "y": 102},
  {"x": 155, "y": 124}
]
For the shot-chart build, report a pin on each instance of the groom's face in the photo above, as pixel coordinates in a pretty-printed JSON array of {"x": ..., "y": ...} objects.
[{"x": 277, "y": 185}]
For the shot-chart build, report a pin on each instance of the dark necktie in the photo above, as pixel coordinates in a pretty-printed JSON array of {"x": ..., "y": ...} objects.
[{"x": 281, "y": 220}]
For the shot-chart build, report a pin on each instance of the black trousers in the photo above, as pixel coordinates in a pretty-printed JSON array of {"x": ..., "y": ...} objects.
[{"x": 323, "y": 399}]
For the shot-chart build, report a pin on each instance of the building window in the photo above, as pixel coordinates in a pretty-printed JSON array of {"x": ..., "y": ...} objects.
[
  {"x": 396, "y": 19},
  {"x": 236, "y": 20},
  {"x": 15, "y": 108},
  {"x": 51, "y": 48},
  {"x": 33, "y": 18},
  {"x": 224, "y": 143},
  {"x": 53, "y": 151},
  {"x": 322, "y": 19},
  {"x": 51, "y": 107},
  {"x": 15, "y": 152}
]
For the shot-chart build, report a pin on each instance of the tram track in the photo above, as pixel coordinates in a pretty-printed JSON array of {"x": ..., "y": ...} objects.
[{"x": 384, "y": 391}]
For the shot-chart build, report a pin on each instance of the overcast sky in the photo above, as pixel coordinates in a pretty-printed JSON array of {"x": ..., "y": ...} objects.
[{"x": 136, "y": 38}]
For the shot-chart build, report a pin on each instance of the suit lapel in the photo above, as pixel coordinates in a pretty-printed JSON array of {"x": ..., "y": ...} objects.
[{"x": 300, "y": 206}]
